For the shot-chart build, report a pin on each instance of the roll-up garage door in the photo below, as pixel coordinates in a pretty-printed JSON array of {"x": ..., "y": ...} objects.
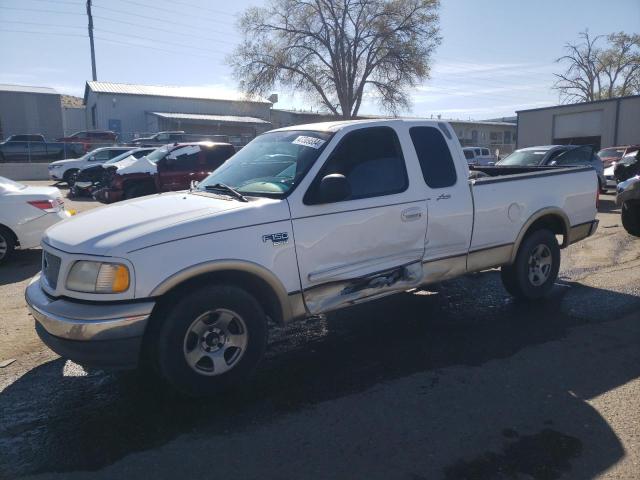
[{"x": 581, "y": 128}]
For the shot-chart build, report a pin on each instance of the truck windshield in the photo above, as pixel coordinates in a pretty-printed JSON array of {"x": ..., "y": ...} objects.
[
  {"x": 157, "y": 154},
  {"x": 272, "y": 164},
  {"x": 523, "y": 158}
]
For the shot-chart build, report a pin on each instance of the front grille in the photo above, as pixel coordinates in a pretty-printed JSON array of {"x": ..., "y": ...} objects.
[{"x": 50, "y": 268}]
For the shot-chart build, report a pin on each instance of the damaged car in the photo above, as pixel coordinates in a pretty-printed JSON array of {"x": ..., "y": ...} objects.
[
  {"x": 91, "y": 178},
  {"x": 169, "y": 168},
  {"x": 628, "y": 198}
]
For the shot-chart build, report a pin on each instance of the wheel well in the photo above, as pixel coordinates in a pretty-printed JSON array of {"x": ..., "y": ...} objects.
[
  {"x": 254, "y": 285},
  {"x": 550, "y": 222},
  {"x": 12, "y": 233}
]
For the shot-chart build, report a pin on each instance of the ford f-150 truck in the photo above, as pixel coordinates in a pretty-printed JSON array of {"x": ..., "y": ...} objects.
[{"x": 302, "y": 221}]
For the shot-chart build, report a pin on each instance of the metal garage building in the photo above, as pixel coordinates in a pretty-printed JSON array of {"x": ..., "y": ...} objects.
[
  {"x": 603, "y": 123},
  {"x": 135, "y": 110},
  {"x": 28, "y": 109}
]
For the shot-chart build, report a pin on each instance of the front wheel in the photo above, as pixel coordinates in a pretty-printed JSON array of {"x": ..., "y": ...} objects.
[
  {"x": 535, "y": 268},
  {"x": 211, "y": 340},
  {"x": 631, "y": 218},
  {"x": 70, "y": 176},
  {"x": 7, "y": 245}
]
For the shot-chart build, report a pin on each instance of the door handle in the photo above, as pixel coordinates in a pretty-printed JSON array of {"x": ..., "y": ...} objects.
[{"x": 411, "y": 214}]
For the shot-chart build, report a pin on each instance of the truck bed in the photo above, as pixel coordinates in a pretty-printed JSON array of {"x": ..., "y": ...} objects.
[{"x": 498, "y": 174}]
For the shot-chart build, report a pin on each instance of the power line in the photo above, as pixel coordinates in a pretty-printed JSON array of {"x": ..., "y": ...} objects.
[
  {"x": 157, "y": 19},
  {"x": 42, "y": 24},
  {"x": 156, "y": 7},
  {"x": 45, "y": 33},
  {"x": 38, "y": 10},
  {"x": 164, "y": 30},
  {"x": 213, "y": 10},
  {"x": 160, "y": 41},
  {"x": 109, "y": 40}
]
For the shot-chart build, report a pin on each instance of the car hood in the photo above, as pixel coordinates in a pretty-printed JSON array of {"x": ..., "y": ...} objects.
[
  {"x": 64, "y": 162},
  {"x": 118, "y": 229}
]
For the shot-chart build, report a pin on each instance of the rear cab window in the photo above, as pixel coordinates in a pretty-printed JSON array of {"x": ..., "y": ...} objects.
[{"x": 434, "y": 155}]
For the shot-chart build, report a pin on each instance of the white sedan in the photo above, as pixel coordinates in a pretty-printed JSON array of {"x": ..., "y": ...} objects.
[{"x": 25, "y": 213}]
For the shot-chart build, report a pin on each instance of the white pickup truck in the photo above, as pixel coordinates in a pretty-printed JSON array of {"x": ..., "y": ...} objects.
[{"x": 302, "y": 221}]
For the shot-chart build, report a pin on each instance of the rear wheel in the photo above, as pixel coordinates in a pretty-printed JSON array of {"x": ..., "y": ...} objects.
[
  {"x": 535, "y": 268},
  {"x": 211, "y": 340},
  {"x": 7, "y": 244},
  {"x": 631, "y": 218},
  {"x": 69, "y": 177}
]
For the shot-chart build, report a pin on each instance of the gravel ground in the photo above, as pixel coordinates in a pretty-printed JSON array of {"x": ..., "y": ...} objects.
[{"x": 456, "y": 383}]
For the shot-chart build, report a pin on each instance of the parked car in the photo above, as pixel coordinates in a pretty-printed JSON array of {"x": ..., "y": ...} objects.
[
  {"x": 557, "y": 155},
  {"x": 627, "y": 167},
  {"x": 611, "y": 155},
  {"x": 25, "y": 213},
  {"x": 90, "y": 179},
  {"x": 26, "y": 138},
  {"x": 66, "y": 170},
  {"x": 479, "y": 156},
  {"x": 90, "y": 137},
  {"x": 163, "y": 138},
  {"x": 302, "y": 221},
  {"x": 17, "y": 149},
  {"x": 169, "y": 168},
  {"x": 628, "y": 198}
]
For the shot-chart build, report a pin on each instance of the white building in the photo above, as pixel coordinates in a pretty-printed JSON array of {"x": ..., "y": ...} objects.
[
  {"x": 604, "y": 123},
  {"x": 135, "y": 110},
  {"x": 28, "y": 109}
]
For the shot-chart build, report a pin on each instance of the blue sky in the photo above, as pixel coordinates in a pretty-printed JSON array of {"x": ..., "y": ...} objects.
[{"x": 497, "y": 56}]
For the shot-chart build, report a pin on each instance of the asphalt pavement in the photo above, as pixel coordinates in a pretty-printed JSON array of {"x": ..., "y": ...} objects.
[{"x": 458, "y": 382}]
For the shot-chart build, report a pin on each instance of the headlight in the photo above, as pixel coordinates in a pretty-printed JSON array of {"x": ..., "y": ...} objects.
[
  {"x": 51, "y": 167},
  {"x": 98, "y": 277}
]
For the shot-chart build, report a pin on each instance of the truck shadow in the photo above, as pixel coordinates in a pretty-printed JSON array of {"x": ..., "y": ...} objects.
[
  {"x": 22, "y": 265},
  {"x": 56, "y": 422}
]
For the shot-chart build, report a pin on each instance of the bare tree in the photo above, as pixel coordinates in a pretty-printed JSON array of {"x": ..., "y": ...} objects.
[
  {"x": 595, "y": 73},
  {"x": 338, "y": 51}
]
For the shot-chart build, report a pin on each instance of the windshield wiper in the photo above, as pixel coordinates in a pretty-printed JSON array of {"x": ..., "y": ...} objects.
[{"x": 226, "y": 188}]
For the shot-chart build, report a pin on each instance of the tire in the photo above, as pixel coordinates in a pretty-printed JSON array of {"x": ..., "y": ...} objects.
[
  {"x": 520, "y": 279},
  {"x": 225, "y": 319},
  {"x": 631, "y": 218},
  {"x": 69, "y": 177},
  {"x": 7, "y": 244}
]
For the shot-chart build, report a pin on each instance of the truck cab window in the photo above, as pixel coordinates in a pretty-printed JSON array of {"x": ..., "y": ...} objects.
[
  {"x": 371, "y": 160},
  {"x": 434, "y": 156}
]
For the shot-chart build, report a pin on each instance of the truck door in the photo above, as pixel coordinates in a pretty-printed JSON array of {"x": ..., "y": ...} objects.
[
  {"x": 371, "y": 241},
  {"x": 449, "y": 201},
  {"x": 178, "y": 168}
]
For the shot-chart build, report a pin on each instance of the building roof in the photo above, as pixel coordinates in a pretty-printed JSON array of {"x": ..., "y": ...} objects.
[
  {"x": 569, "y": 105},
  {"x": 27, "y": 89},
  {"x": 202, "y": 93},
  {"x": 209, "y": 118}
]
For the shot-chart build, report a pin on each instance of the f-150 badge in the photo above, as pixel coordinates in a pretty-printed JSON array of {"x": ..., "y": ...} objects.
[{"x": 276, "y": 238}]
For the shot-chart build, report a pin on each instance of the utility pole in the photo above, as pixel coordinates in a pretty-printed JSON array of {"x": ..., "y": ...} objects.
[{"x": 93, "y": 52}]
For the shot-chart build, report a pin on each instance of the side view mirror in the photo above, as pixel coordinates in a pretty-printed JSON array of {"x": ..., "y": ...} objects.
[
  {"x": 553, "y": 163},
  {"x": 333, "y": 188}
]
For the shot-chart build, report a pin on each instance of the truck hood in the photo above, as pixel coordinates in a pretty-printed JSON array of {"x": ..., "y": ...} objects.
[
  {"x": 134, "y": 165},
  {"x": 117, "y": 229}
]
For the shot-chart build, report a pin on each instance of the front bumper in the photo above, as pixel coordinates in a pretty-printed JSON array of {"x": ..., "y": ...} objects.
[
  {"x": 105, "y": 335},
  {"x": 108, "y": 195}
]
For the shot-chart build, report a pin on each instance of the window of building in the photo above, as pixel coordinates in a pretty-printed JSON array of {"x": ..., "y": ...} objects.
[{"x": 434, "y": 156}]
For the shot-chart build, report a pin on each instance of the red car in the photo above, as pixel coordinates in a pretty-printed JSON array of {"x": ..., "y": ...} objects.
[
  {"x": 167, "y": 168},
  {"x": 89, "y": 138},
  {"x": 613, "y": 154}
]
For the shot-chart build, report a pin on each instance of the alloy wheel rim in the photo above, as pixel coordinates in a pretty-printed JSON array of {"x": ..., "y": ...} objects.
[
  {"x": 215, "y": 342},
  {"x": 3, "y": 247},
  {"x": 540, "y": 263}
]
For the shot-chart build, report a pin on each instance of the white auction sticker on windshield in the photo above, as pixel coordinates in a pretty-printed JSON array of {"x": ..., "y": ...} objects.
[{"x": 308, "y": 142}]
